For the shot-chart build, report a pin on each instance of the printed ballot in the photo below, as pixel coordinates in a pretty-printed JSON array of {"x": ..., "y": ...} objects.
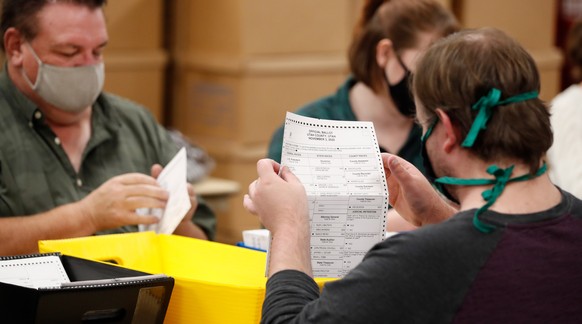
[
  {"x": 56, "y": 288},
  {"x": 173, "y": 179},
  {"x": 42, "y": 271},
  {"x": 340, "y": 166}
]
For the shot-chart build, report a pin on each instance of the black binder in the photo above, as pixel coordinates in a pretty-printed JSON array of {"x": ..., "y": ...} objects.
[{"x": 97, "y": 293}]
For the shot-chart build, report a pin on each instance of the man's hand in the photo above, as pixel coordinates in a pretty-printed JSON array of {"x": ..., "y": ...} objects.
[
  {"x": 396, "y": 223},
  {"x": 280, "y": 203},
  {"x": 412, "y": 195},
  {"x": 113, "y": 204}
]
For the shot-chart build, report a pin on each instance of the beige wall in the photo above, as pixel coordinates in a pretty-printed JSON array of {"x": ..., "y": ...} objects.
[
  {"x": 135, "y": 59},
  {"x": 238, "y": 65},
  {"x": 531, "y": 22}
]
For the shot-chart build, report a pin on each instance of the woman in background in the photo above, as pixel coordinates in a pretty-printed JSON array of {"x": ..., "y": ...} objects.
[
  {"x": 565, "y": 155},
  {"x": 390, "y": 36}
]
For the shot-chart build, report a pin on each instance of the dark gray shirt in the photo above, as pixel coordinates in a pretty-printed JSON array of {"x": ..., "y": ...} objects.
[{"x": 529, "y": 270}]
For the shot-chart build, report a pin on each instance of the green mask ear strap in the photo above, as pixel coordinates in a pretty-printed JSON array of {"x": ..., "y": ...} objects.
[
  {"x": 485, "y": 107},
  {"x": 502, "y": 178},
  {"x": 429, "y": 130}
]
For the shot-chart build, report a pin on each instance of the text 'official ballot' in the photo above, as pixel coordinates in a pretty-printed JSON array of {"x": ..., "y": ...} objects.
[{"x": 340, "y": 166}]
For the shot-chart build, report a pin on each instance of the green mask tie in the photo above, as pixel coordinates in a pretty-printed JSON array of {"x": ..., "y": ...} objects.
[
  {"x": 502, "y": 178},
  {"x": 485, "y": 107}
]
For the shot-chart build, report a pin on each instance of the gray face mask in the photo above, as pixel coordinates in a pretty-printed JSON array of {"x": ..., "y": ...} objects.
[{"x": 70, "y": 89}]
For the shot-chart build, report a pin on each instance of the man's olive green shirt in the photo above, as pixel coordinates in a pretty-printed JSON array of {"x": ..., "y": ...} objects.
[{"x": 36, "y": 174}]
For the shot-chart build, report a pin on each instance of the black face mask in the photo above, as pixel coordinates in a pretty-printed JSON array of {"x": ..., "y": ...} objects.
[
  {"x": 430, "y": 174},
  {"x": 400, "y": 92}
]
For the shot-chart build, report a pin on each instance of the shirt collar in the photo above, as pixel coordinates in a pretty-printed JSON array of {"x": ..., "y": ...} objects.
[
  {"x": 16, "y": 99},
  {"x": 104, "y": 115}
]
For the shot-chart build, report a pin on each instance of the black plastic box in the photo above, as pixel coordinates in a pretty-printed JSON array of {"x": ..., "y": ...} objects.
[{"x": 98, "y": 293}]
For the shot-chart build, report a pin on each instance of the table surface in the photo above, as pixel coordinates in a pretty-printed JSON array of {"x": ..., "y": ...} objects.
[{"x": 216, "y": 187}]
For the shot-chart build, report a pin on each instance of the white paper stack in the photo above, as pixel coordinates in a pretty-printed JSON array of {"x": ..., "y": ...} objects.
[{"x": 256, "y": 239}]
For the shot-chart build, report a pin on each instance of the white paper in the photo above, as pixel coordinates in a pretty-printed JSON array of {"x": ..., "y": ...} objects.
[
  {"x": 172, "y": 179},
  {"x": 257, "y": 238},
  {"x": 340, "y": 166},
  {"x": 34, "y": 272}
]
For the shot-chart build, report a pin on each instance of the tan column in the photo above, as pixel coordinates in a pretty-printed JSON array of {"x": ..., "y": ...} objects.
[
  {"x": 531, "y": 22},
  {"x": 135, "y": 60},
  {"x": 239, "y": 66}
]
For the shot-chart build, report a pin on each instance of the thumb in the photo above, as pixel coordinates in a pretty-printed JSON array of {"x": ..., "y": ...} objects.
[
  {"x": 288, "y": 176},
  {"x": 266, "y": 168},
  {"x": 397, "y": 169},
  {"x": 156, "y": 170}
]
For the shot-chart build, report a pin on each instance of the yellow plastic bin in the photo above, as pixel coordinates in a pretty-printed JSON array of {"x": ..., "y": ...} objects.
[{"x": 214, "y": 282}]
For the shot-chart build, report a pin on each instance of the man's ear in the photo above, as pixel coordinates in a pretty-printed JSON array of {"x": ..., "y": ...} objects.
[
  {"x": 451, "y": 131},
  {"x": 383, "y": 52},
  {"x": 13, "y": 41}
]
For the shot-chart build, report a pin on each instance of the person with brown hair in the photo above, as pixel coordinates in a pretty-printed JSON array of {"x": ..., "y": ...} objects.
[
  {"x": 74, "y": 161},
  {"x": 389, "y": 37},
  {"x": 510, "y": 255},
  {"x": 565, "y": 155}
]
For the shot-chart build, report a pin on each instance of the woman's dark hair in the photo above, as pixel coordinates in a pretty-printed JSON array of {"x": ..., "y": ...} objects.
[{"x": 401, "y": 21}]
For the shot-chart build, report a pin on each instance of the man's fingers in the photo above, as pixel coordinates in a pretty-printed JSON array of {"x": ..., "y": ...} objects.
[
  {"x": 190, "y": 189},
  {"x": 385, "y": 162},
  {"x": 149, "y": 191},
  {"x": 142, "y": 219},
  {"x": 267, "y": 168},
  {"x": 132, "y": 203},
  {"x": 135, "y": 178},
  {"x": 248, "y": 204},
  {"x": 252, "y": 188}
]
